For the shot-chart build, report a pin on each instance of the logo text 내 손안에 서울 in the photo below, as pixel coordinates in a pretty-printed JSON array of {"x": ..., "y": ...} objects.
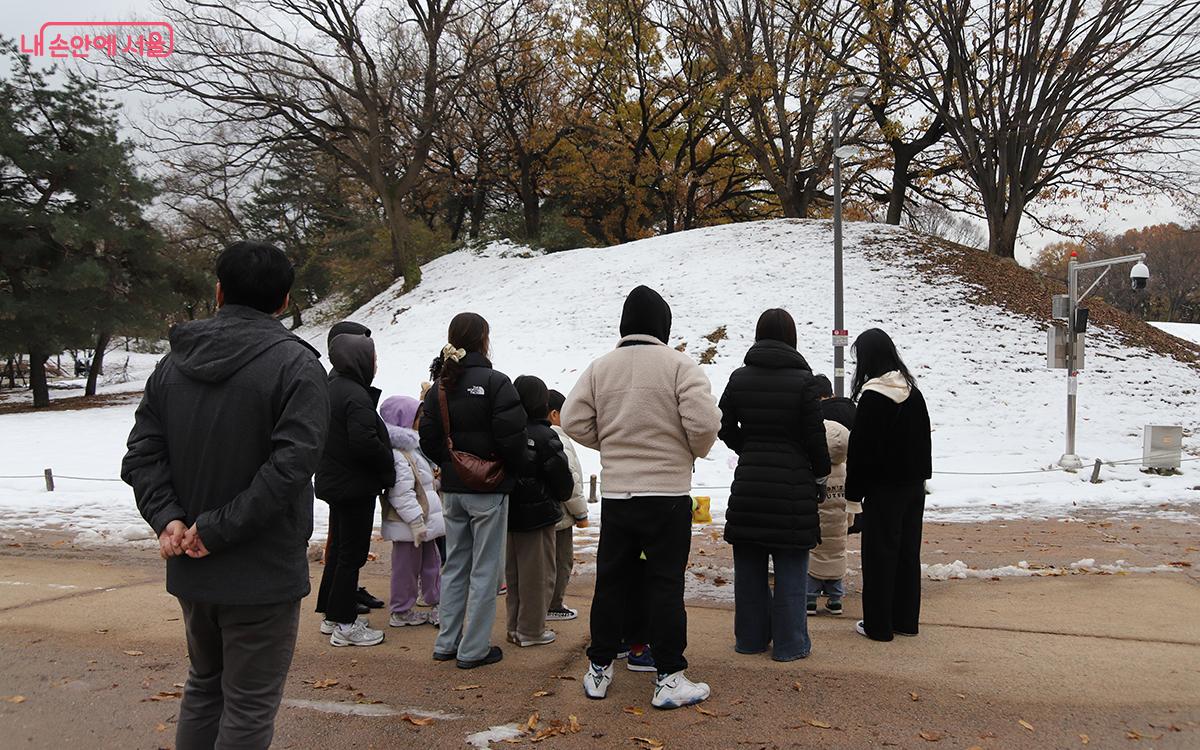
[{"x": 81, "y": 39}]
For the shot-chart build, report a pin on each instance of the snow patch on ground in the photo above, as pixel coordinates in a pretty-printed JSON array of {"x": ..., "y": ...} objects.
[
  {"x": 484, "y": 739},
  {"x": 960, "y": 570}
]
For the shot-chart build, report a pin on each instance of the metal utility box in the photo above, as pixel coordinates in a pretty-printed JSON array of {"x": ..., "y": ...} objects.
[
  {"x": 1060, "y": 306},
  {"x": 1056, "y": 348},
  {"x": 1162, "y": 446}
]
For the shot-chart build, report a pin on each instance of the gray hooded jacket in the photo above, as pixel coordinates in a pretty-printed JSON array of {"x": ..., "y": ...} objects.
[{"x": 227, "y": 436}]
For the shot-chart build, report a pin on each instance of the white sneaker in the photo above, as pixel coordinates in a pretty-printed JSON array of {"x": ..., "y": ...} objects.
[
  {"x": 358, "y": 634},
  {"x": 858, "y": 628},
  {"x": 597, "y": 680},
  {"x": 676, "y": 691},
  {"x": 434, "y": 617},
  {"x": 328, "y": 626},
  {"x": 547, "y": 636},
  {"x": 411, "y": 617}
]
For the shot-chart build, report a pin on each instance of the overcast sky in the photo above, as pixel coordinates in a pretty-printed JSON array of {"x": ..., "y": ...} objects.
[{"x": 26, "y": 16}]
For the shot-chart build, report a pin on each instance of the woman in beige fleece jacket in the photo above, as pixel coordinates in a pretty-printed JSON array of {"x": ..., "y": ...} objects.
[{"x": 650, "y": 412}]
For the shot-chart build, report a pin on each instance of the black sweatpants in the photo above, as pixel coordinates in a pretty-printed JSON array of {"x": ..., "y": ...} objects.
[
  {"x": 662, "y": 528},
  {"x": 239, "y": 659},
  {"x": 891, "y": 560},
  {"x": 350, "y": 525}
]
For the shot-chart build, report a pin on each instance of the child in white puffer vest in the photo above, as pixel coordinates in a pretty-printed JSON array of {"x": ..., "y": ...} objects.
[{"x": 412, "y": 518}]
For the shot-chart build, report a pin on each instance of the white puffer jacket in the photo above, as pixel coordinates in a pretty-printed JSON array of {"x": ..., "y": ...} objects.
[{"x": 403, "y": 496}]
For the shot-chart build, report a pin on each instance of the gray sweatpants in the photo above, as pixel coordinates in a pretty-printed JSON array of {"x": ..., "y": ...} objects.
[
  {"x": 476, "y": 526},
  {"x": 240, "y": 656}
]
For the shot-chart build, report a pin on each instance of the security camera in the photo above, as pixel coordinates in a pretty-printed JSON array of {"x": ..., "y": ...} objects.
[{"x": 1139, "y": 275}]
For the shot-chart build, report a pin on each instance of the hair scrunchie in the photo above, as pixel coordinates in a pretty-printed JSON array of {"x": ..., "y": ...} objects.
[{"x": 452, "y": 354}]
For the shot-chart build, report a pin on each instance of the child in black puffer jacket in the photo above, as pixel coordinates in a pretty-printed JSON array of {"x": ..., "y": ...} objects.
[{"x": 534, "y": 510}]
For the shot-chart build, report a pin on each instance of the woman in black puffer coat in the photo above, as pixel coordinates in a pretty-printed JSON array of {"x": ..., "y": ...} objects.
[{"x": 771, "y": 417}]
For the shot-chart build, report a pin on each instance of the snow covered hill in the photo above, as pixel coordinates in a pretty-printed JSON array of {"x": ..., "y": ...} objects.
[{"x": 998, "y": 413}]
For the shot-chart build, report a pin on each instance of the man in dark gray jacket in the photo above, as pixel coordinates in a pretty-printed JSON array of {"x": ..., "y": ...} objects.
[{"x": 221, "y": 458}]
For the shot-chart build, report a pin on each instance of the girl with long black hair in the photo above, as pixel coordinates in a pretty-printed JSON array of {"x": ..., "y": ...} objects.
[{"x": 888, "y": 461}]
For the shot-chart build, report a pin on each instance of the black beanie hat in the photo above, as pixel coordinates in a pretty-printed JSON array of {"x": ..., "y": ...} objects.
[
  {"x": 646, "y": 313},
  {"x": 534, "y": 396},
  {"x": 347, "y": 327}
]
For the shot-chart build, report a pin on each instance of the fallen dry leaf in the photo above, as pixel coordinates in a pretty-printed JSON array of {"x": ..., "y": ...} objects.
[
  {"x": 914, "y": 696},
  {"x": 1083, "y": 738},
  {"x": 133, "y": 653},
  {"x": 1025, "y": 724},
  {"x": 166, "y": 695},
  {"x": 160, "y": 727},
  {"x": 322, "y": 684},
  {"x": 574, "y": 724},
  {"x": 648, "y": 742},
  {"x": 467, "y": 687},
  {"x": 566, "y": 677},
  {"x": 634, "y": 710},
  {"x": 975, "y": 747},
  {"x": 929, "y": 736},
  {"x": 796, "y": 686},
  {"x": 417, "y": 721},
  {"x": 705, "y": 711},
  {"x": 532, "y": 723},
  {"x": 541, "y": 694},
  {"x": 818, "y": 724},
  {"x": 1133, "y": 734},
  {"x": 15, "y": 699}
]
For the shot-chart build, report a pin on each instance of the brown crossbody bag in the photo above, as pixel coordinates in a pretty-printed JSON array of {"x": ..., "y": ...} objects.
[{"x": 479, "y": 474}]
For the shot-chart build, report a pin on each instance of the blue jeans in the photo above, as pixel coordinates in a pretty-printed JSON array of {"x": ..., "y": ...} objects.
[
  {"x": 476, "y": 531},
  {"x": 834, "y": 589},
  {"x": 762, "y": 616}
]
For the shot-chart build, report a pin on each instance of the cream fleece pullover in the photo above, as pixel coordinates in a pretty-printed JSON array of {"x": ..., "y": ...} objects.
[{"x": 650, "y": 412}]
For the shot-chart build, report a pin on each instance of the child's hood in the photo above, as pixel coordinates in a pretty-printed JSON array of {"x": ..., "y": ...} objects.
[{"x": 838, "y": 439}]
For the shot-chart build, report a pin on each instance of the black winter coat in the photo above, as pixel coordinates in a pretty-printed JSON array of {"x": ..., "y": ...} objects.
[
  {"x": 889, "y": 446},
  {"x": 357, "y": 464},
  {"x": 771, "y": 417},
  {"x": 227, "y": 436},
  {"x": 486, "y": 419},
  {"x": 544, "y": 483}
]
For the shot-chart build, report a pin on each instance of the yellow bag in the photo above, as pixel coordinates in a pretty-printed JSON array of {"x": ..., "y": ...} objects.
[{"x": 700, "y": 509}]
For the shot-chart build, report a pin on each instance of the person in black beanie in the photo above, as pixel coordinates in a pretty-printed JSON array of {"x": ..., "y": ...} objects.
[
  {"x": 355, "y": 468},
  {"x": 365, "y": 600},
  {"x": 650, "y": 411}
]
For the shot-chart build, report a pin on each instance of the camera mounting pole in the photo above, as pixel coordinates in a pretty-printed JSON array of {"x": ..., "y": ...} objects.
[{"x": 1070, "y": 461}]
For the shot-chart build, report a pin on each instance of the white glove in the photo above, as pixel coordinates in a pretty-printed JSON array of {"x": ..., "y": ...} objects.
[{"x": 419, "y": 532}]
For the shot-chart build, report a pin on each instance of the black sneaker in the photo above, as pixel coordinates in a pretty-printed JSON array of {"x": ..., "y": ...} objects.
[
  {"x": 834, "y": 606},
  {"x": 439, "y": 656},
  {"x": 361, "y": 608},
  {"x": 364, "y": 597},
  {"x": 492, "y": 657},
  {"x": 812, "y": 606}
]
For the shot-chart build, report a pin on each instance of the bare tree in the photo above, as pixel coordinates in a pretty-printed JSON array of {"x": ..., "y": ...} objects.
[
  {"x": 779, "y": 70},
  {"x": 363, "y": 82},
  {"x": 1059, "y": 98}
]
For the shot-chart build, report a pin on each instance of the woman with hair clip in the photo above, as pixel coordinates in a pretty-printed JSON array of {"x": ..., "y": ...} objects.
[
  {"x": 472, "y": 419},
  {"x": 888, "y": 461}
]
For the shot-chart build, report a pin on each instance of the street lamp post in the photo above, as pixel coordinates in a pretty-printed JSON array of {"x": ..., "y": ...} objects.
[{"x": 841, "y": 337}]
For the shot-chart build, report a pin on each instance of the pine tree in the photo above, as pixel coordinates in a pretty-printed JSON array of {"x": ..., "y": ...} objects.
[{"x": 80, "y": 261}]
